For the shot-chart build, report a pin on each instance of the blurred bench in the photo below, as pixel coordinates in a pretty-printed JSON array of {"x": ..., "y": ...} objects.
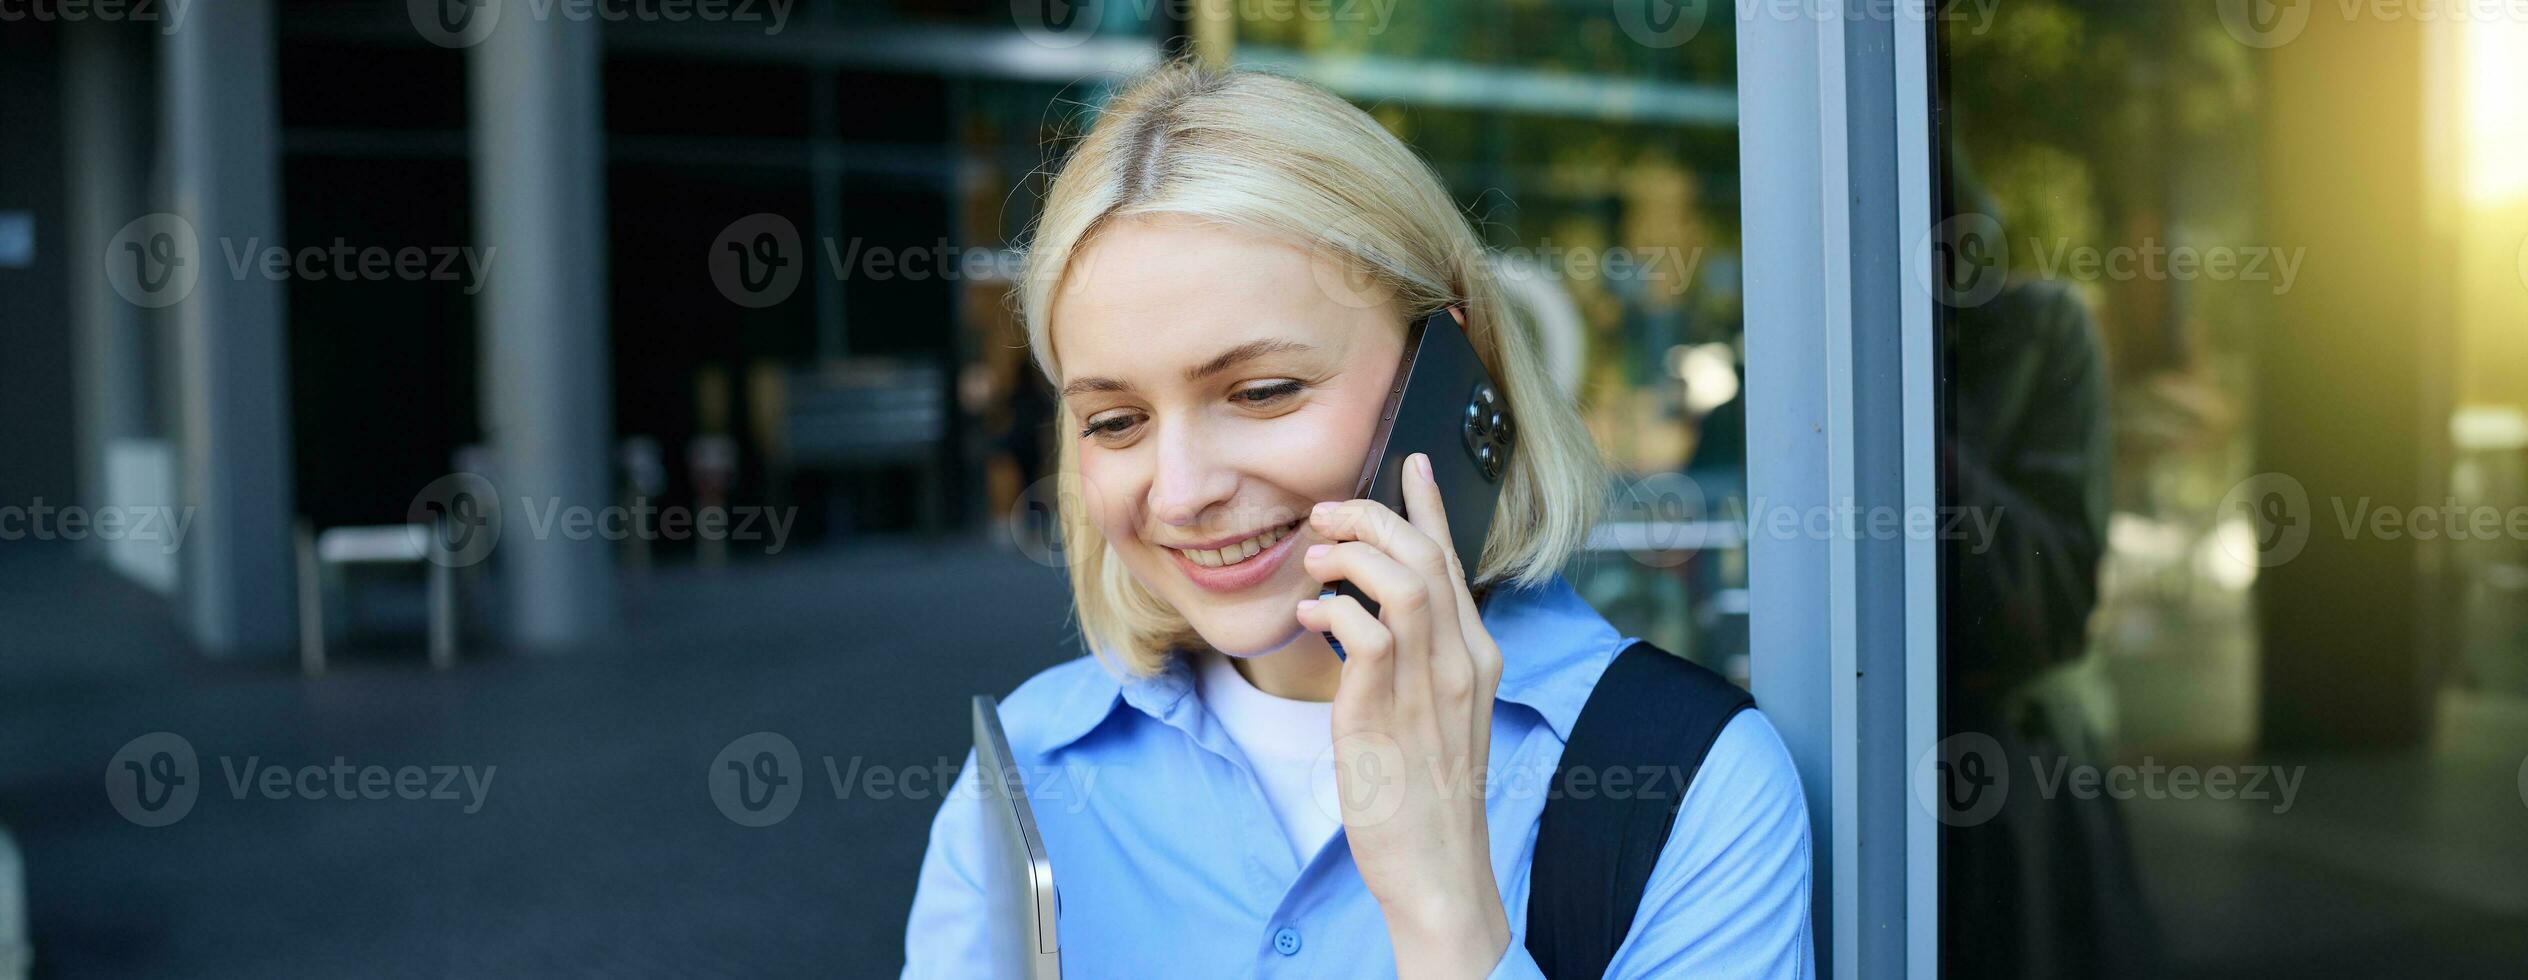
[
  {"x": 866, "y": 414},
  {"x": 325, "y": 557}
]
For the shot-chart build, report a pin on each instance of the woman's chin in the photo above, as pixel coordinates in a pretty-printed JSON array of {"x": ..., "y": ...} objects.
[{"x": 1253, "y": 639}]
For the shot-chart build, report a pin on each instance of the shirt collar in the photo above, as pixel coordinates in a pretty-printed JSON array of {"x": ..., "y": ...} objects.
[{"x": 1553, "y": 647}]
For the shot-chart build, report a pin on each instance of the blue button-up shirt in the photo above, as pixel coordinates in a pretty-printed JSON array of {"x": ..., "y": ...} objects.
[{"x": 1169, "y": 861}]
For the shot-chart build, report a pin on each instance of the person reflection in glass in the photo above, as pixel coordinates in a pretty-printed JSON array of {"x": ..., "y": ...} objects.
[{"x": 2036, "y": 886}]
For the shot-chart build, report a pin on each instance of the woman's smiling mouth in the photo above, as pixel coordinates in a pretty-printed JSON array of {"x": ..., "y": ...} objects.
[
  {"x": 1240, "y": 551},
  {"x": 1238, "y": 564}
]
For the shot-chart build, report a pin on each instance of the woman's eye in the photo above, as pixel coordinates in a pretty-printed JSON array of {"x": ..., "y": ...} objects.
[
  {"x": 1108, "y": 426},
  {"x": 1266, "y": 394}
]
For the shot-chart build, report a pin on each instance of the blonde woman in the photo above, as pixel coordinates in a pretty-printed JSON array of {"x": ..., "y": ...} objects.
[{"x": 1219, "y": 288}]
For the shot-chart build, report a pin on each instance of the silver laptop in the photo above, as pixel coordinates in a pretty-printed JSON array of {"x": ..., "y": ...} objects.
[{"x": 1016, "y": 877}]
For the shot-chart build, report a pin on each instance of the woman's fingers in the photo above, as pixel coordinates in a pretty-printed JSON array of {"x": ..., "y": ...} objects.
[
  {"x": 1404, "y": 600},
  {"x": 1368, "y": 690},
  {"x": 1405, "y": 597},
  {"x": 1455, "y": 672},
  {"x": 1424, "y": 509},
  {"x": 1371, "y": 522}
]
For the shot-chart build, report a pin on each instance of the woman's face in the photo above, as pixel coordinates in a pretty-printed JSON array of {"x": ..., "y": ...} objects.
[{"x": 1221, "y": 383}]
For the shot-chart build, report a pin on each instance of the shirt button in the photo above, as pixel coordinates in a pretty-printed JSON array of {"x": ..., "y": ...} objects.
[{"x": 1286, "y": 941}]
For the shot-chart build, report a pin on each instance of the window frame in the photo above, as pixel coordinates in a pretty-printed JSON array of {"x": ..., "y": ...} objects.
[{"x": 1837, "y": 157}]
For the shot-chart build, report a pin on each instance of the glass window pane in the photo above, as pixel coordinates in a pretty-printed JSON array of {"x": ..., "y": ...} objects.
[
  {"x": 1604, "y": 169},
  {"x": 2236, "y": 638}
]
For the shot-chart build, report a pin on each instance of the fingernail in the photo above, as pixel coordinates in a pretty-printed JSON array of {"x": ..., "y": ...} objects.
[
  {"x": 1307, "y": 604},
  {"x": 1325, "y": 507},
  {"x": 1318, "y": 551},
  {"x": 1422, "y": 461}
]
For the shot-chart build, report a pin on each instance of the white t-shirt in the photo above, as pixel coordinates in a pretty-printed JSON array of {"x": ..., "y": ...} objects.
[{"x": 1290, "y": 746}]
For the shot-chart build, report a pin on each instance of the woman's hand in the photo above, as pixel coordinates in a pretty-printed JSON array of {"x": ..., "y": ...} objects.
[{"x": 1413, "y": 726}]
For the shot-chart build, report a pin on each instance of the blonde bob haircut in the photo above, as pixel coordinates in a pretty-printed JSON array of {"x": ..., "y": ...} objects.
[{"x": 1283, "y": 158}]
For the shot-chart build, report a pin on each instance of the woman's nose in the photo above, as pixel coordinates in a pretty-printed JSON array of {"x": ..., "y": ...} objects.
[{"x": 1192, "y": 479}]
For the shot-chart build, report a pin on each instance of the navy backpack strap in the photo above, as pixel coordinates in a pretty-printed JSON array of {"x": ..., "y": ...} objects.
[{"x": 1655, "y": 716}]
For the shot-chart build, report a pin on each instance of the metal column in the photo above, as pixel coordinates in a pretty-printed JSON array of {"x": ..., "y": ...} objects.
[
  {"x": 539, "y": 199},
  {"x": 217, "y": 87}
]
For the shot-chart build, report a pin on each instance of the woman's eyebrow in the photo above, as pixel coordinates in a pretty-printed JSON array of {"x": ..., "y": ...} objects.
[
  {"x": 1243, "y": 352},
  {"x": 1082, "y": 386}
]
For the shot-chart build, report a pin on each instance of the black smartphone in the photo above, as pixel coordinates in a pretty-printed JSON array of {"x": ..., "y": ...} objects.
[{"x": 1443, "y": 403}]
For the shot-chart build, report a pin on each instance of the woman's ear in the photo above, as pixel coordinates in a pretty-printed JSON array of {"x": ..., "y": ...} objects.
[{"x": 1460, "y": 313}]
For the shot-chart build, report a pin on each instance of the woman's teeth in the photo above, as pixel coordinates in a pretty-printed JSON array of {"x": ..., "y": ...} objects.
[{"x": 1241, "y": 551}]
